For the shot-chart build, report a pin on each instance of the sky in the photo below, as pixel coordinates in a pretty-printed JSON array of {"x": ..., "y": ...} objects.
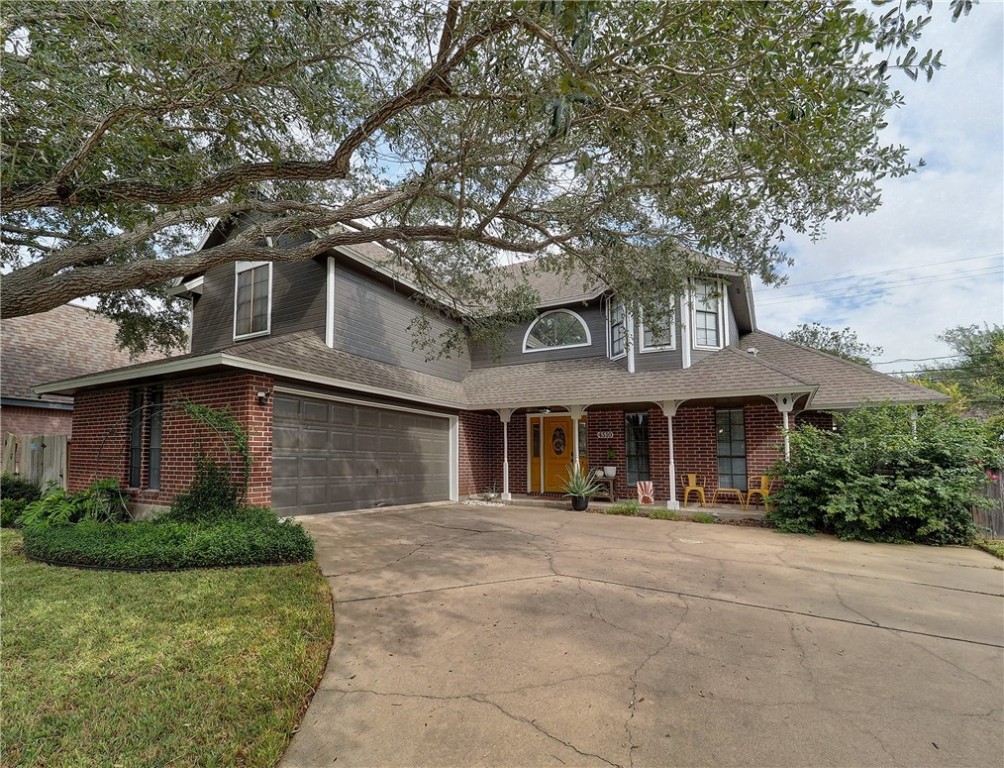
[{"x": 932, "y": 257}]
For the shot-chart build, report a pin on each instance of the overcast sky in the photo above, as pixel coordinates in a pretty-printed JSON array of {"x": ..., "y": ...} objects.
[{"x": 932, "y": 257}]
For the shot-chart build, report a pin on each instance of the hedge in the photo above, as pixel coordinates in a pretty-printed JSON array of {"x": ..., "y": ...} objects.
[{"x": 160, "y": 545}]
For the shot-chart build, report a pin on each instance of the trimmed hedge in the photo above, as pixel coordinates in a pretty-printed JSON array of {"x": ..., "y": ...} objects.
[{"x": 162, "y": 544}]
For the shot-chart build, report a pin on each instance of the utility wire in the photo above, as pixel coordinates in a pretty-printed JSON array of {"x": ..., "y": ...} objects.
[{"x": 890, "y": 271}]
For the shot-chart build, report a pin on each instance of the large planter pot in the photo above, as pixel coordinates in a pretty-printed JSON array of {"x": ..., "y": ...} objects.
[
  {"x": 610, "y": 471},
  {"x": 579, "y": 503}
]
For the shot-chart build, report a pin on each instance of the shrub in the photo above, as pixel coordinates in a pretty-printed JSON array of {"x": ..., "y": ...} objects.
[
  {"x": 10, "y": 511},
  {"x": 162, "y": 544},
  {"x": 103, "y": 501},
  {"x": 704, "y": 517},
  {"x": 211, "y": 496},
  {"x": 873, "y": 479},
  {"x": 663, "y": 514},
  {"x": 15, "y": 487},
  {"x": 56, "y": 508}
]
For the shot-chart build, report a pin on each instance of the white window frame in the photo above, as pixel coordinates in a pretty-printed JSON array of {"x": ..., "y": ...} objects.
[
  {"x": 526, "y": 336},
  {"x": 659, "y": 347},
  {"x": 611, "y": 304},
  {"x": 715, "y": 287},
  {"x": 244, "y": 266}
]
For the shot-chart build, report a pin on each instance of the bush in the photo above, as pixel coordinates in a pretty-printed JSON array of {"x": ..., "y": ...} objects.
[
  {"x": 103, "y": 501},
  {"x": 10, "y": 511},
  {"x": 873, "y": 479},
  {"x": 163, "y": 544},
  {"x": 211, "y": 496},
  {"x": 15, "y": 487}
]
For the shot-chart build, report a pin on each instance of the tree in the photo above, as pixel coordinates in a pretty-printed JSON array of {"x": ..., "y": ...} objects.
[
  {"x": 843, "y": 343},
  {"x": 614, "y": 138},
  {"x": 976, "y": 380}
]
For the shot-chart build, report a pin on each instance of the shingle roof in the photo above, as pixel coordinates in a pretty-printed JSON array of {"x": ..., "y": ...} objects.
[
  {"x": 63, "y": 343},
  {"x": 842, "y": 384}
]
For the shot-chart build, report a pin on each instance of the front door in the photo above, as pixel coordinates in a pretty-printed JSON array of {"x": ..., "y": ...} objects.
[{"x": 550, "y": 451}]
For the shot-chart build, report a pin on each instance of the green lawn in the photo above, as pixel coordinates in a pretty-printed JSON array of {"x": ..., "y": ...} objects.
[{"x": 196, "y": 668}]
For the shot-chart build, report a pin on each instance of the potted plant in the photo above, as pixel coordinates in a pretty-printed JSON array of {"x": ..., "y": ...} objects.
[
  {"x": 611, "y": 470},
  {"x": 580, "y": 485}
]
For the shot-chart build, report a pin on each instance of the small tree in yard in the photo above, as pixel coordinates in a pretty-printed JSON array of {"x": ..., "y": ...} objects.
[{"x": 876, "y": 478}]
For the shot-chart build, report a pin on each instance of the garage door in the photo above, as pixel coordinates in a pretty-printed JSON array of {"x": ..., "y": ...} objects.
[{"x": 329, "y": 456}]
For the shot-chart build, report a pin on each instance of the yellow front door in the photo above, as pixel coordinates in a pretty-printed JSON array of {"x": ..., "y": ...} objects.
[{"x": 557, "y": 450}]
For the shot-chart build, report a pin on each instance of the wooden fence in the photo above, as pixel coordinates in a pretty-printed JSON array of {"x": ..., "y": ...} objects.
[
  {"x": 990, "y": 521},
  {"x": 39, "y": 458}
]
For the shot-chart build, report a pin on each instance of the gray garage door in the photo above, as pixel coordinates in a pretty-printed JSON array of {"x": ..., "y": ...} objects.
[{"x": 330, "y": 456}]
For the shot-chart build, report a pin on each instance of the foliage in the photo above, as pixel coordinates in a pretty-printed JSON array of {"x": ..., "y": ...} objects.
[
  {"x": 618, "y": 137},
  {"x": 17, "y": 487},
  {"x": 102, "y": 501},
  {"x": 663, "y": 514},
  {"x": 994, "y": 546},
  {"x": 976, "y": 381},
  {"x": 579, "y": 482},
  {"x": 207, "y": 667},
  {"x": 873, "y": 479},
  {"x": 10, "y": 511},
  {"x": 843, "y": 343},
  {"x": 703, "y": 517},
  {"x": 630, "y": 508},
  {"x": 229, "y": 429},
  {"x": 211, "y": 495},
  {"x": 170, "y": 544}
]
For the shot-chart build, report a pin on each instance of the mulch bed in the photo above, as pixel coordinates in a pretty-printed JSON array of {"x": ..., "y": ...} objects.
[{"x": 748, "y": 522}]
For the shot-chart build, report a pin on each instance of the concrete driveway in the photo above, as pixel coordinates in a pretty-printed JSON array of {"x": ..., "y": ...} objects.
[{"x": 537, "y": 637}]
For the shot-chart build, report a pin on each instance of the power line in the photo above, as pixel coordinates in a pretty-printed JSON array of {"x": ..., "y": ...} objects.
[
  {"x": 915, "y": 359},
  {"x": 890, "y": 271},
  {"x": 919, "y": 280}
]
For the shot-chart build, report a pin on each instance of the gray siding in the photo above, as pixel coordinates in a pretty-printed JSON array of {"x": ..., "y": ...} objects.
[
  {"x": 733, "y": 327},
  {"x": 595, "y": 320},
  {"x": 298, "y": 295},
  {"x": 664, "y": 360},
  {"x": 371, "y": 321}
]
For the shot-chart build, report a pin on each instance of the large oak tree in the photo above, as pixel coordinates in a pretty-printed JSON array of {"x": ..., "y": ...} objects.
[{"x": 616, "y": 138}]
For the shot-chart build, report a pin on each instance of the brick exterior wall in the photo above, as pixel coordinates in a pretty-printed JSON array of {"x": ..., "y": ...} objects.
[
  {"x": 35, "y": 421},
  {"x": 101, "y": 436},
  {"x": 818, "y": 419},
  {"x": 480, "y": 448}
]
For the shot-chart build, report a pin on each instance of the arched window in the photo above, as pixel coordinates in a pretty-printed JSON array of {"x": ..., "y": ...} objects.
[{"x": 554, "y": 329}]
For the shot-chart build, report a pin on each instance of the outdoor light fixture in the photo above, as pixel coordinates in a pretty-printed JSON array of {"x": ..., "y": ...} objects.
[{"x": 262, "y": 397}]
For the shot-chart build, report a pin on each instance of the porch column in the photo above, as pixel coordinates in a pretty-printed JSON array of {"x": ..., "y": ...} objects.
[
  {"x": 576, "y": 412},
  {"x": 504, "y": 415},
  {"x": 669, "y": 408},
  {"x": 785, "y": 403}
]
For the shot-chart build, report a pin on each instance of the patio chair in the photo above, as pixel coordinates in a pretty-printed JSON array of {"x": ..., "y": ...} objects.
[
  {"x": 646, "y": 493},
  {"x": 758, "y": 485},
  {"x": 693, "y": 483}
]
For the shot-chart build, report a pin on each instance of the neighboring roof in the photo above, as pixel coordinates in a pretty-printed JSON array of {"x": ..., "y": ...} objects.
[
  {"x": 66, "y": 342},
  {"x": 842, "y": 384}
]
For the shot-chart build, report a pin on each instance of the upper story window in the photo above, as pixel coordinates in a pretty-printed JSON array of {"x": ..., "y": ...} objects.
[
  {"x": 558, "y": 328},
  {"x": 659, "y": 335},
  {"x": 707, "y": 316},
  {"x": 252, "y": 299},
  {"x": 617, "y": 328}
]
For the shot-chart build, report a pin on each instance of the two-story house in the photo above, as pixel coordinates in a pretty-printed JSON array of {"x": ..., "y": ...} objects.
[{"x": 315, "y": 359}]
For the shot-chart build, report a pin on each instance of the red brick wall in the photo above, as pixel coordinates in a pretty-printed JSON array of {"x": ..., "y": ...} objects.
[
  {"x": 35, "y": 421},
  {"x": 818, "y": 419},
  {"x": 480, "y": 445},
  {"x": 101, "y": 429}
]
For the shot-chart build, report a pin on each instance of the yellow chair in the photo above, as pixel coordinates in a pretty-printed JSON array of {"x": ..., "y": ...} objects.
[
  {"x": 758, "y": 485},
  {"x": 692, "y": 484}
]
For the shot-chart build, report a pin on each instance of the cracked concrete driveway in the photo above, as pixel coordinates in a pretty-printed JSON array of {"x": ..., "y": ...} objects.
[{"x": 536, "y": 637}]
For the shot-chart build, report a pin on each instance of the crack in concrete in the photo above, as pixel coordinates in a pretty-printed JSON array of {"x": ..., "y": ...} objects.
[
  {"x": 533, "y": 724},
  {"x": 952, "y": 664},
  {"x": 845, "y": 606}
]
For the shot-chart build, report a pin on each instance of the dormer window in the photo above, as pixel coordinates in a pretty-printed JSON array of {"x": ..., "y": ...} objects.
[
  {"x": 658, "y": 335},
  {"x": 252, "y": 299},
  {"x": 556, "y": 329},
  {"x": 617, "y": 328},
  {"x": 707, "y": 316}
]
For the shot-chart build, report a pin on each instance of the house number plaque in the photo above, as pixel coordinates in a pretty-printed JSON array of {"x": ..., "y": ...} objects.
[{"x": 605, "y": 435}]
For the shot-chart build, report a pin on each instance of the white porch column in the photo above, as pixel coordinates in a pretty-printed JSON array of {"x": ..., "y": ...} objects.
[
  {"x": 785, "y": 403},
  {"x": 504, "y": 415},
  {"x": 669, "y": 408},
  {"x": 576, "y": 412}
]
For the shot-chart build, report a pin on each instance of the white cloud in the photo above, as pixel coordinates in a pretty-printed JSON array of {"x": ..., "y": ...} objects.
[{"x": 932, "y": 225}]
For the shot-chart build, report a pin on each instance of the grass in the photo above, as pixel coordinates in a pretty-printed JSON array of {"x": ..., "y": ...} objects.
[
  {"x": 196, "y": 668},
  {"x": 994, "y": 547},
  {"x": 703, "y": 517}
]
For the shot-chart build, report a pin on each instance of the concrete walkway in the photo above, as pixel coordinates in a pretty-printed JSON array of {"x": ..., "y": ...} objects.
[{"x": 469, "y": 636}]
